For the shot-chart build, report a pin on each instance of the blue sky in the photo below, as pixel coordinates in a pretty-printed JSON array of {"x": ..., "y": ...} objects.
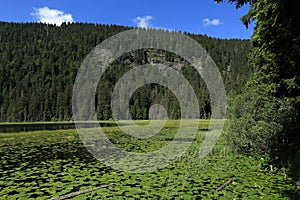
[{"x": 194, "y": 16}]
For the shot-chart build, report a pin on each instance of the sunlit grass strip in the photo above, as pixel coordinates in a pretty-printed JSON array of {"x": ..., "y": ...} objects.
[{"x": 17, "y": 138}]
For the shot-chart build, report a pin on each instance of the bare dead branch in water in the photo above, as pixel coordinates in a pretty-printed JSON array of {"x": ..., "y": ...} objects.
[
  {"x": 81, "y": 192},
  {"x": 225, "y": 184}
]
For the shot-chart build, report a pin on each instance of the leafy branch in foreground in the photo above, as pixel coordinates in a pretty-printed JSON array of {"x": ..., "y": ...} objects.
[{"x": 265, "y": 116}]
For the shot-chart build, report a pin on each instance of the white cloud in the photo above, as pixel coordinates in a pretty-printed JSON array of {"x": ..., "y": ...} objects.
[
  {"x": 213, "y": 22},
  {"x": 51, "y": 16},
  {"x": 143, "y": 22}
]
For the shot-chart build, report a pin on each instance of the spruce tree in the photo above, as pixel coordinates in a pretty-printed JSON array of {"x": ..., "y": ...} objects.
[{"x": 265, "y": 116}]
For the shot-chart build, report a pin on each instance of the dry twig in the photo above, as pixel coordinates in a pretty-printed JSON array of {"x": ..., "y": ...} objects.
[
  {"x": 225, "y": 184},
  {"x": 81, "y": 192}
]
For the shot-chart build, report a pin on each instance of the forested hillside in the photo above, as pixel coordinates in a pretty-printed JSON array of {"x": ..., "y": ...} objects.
[{"x": 39, "y": 63}]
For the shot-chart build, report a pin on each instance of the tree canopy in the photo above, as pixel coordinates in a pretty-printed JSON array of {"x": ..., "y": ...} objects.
[
  {"x": 39, "y": 63},
  {"x": 265, "y": 116}
]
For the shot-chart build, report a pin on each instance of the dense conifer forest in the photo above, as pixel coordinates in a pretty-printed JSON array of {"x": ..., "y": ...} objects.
[
  {"x": 39, "y": 63},
  {"x": 256, "y": 157}
]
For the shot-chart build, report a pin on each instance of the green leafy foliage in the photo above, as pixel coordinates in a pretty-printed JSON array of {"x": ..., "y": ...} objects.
[
  {"x": 256, "y": 127},
  {"x": 265, "y": 116},
  {"x": 61, "y": 165}
]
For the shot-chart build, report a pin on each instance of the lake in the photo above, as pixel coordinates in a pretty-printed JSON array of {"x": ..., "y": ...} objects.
[{"x": 24, "y": 127}]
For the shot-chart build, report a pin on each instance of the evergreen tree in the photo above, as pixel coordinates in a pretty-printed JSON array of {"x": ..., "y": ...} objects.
[
  {"x": 265, "y": 116},
  {"x": 39, "y": 63}
]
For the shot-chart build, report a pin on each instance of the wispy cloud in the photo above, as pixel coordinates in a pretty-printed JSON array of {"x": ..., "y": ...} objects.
[
  {"x": 143, "y": 22},
  {"x": 51, "y": 16},
  {"x": 211, "y": 22}
]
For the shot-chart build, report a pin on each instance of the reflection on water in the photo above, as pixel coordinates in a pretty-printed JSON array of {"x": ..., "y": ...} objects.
[{"x": 19, "y": 127}]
